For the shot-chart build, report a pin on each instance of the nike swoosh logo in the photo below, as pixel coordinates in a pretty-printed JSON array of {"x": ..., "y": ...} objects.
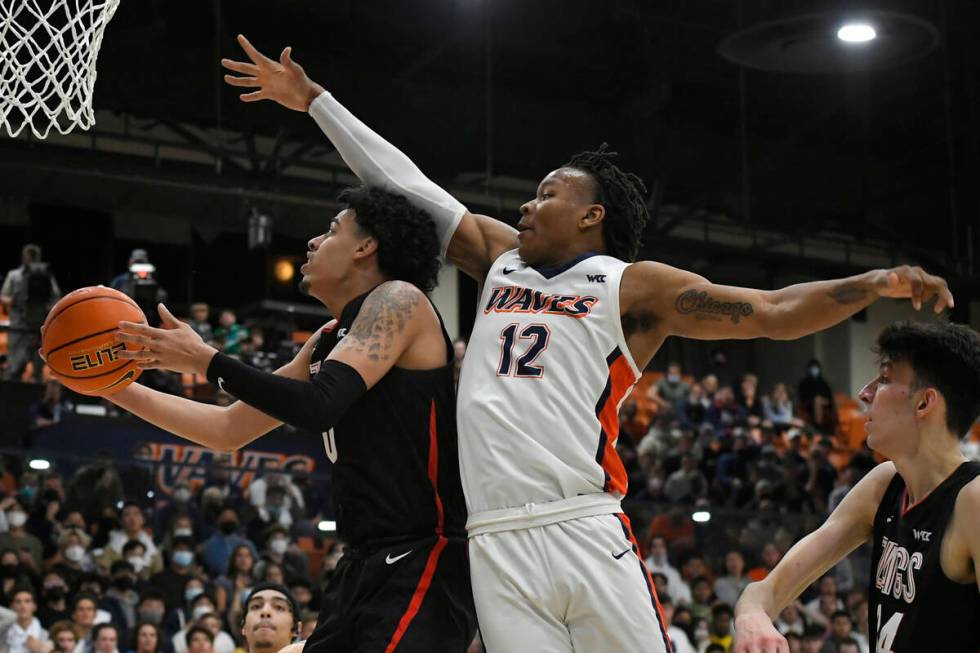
[
  {"x": 509, "y": 270},
  {"x": 221, "y": 384},
  {"x": 622, "y": 554},
  {"x": 389, "y": 560}
]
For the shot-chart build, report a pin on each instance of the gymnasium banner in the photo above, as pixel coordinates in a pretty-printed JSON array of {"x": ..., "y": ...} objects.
[{"x": 78, "y": 440}]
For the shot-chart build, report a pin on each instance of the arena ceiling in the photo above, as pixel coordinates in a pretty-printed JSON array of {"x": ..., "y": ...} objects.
[{"x": 489, "y": 95}]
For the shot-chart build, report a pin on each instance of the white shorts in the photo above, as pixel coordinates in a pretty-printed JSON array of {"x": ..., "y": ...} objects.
[{"x": 575, "y": 585}]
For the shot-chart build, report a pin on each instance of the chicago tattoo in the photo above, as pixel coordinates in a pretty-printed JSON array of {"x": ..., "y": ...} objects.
[
  {"x": 382, "y": 317},
  {"x": 708, "y": 308}
]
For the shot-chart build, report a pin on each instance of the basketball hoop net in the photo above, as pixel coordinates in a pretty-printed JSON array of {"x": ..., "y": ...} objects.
[{"x": 48, "y": 50}]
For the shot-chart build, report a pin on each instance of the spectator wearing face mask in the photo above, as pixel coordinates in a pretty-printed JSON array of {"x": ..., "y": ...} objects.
[
  {"x": 12, "y": 573},
  {"x": 217, "y": 549},
  {"x": 278, "y": 550},
  {"x": 171, "y": 581},
  {"x": 817, "y": 399},
  {"x": 73, "y": 558},
  {"x": 151, "y": 608},
  {"x": 202, "y": 606},
  {"x": 54, "y": 600},
  {"x": 671, "y": 391},
  {"x": 17, "y": 538},
  {"x": 139, "y": 476},
  {"x": 133, "y": 528},
  {"x": 181, "y": 505},
  {"x": 121, "y": 599},
  {"x": 179, "y": 618},
  {"x": 274, "y": 512}
]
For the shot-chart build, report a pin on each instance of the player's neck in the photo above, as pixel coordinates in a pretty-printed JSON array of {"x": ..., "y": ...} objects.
[
  {"x": 341, "y": 294},
  {"x": 568, "y": 254},
  {"x": 924, "y": 469}
]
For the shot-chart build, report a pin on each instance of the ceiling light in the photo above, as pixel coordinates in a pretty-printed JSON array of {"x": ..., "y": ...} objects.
[{"x": 856, "y": 33}]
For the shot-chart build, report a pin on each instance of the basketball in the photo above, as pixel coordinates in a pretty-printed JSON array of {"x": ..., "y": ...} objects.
[{"x": 78, "y": 340}]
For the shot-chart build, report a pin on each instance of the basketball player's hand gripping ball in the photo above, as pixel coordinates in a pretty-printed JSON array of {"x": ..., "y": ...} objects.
[{"x": 175, "y": 346}]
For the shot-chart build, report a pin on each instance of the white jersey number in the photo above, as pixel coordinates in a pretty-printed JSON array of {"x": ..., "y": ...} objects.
[
  {"x": 330, "y": 445},
  {"x": 522, "y": 367},
  {"x": 887, "y": 633}
]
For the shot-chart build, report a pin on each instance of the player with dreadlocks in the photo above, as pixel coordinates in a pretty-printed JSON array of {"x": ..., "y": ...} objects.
[{"x": 565, "y": 323}]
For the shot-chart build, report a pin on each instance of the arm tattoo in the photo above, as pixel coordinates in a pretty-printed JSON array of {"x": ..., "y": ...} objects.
[
  {"x": 848, "y": 293},
  {"x": 709, "y": 308},
  {"x": 382, "y": 317}
]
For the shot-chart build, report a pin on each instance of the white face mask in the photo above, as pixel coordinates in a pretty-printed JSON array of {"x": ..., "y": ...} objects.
[
  {"x": 202, "y": 610},
  {"x": 137, "y": 564},
  {"x": 183, "y": 532},
  {"x": 16, "y": 518},
  {"x": 279, "y": 545},
  {"x": 74, "y": 553}
]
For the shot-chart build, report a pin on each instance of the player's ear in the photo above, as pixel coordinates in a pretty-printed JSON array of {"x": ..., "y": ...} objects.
[
  {"x": 367, "y": 247},
  {"x": 927, "y": 402},
  {"x": 594, "y": 214}
]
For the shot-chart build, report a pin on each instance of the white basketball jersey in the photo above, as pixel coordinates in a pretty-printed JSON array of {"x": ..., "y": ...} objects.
[{"x": 545, "y": 372}]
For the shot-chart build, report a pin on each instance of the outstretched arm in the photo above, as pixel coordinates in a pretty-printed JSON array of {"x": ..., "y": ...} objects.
[
  {"x": 686, "y": 304},
  {"x": 220, "y": 428},
  {"x": 848, "y": 526},
  {"x": 468, "y": 240},
  {"x": 392, "y": 317}
]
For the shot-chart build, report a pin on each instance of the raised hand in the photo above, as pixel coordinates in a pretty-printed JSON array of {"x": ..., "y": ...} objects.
[
  {"x": 914, "y": 283},
  {"x": 175, "y": 347},
  {"x": 283, "y": 81}
]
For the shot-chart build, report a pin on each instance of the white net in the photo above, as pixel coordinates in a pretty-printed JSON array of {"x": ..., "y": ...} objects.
[{"x": 48, "y": 50}]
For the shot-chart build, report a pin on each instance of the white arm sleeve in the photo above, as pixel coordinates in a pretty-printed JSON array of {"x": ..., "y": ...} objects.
[{"x": 377, "y": 162}]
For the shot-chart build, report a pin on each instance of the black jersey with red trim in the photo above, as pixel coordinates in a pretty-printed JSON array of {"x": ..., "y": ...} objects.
[
  {"x": 913, "y": 606},
  {"x": 396, "y": 466}
]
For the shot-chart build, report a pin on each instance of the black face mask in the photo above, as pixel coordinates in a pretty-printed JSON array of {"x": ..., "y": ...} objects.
[
  {"x": 55, "y": 594},
  {"x": 123, "y": 582},
  {"x": 10, "y": 570},
  {"x": 228, "y": 527}
]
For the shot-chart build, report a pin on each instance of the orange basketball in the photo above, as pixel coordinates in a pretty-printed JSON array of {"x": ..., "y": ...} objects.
[{"x": 79, "y": 345}]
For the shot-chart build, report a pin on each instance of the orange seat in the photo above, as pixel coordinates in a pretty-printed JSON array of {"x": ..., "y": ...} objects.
[{"x": 300, "y": 337}]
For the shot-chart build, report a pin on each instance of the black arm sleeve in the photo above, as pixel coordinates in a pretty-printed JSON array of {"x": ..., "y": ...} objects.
[{"x": 315, "y": 405}]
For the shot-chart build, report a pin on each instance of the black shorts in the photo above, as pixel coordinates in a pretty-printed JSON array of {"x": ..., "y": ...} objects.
[{"x": 410, "y": 598}]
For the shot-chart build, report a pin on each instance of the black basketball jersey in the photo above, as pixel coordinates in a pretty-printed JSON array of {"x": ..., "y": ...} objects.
[
  {"x": 913, "y": 607},
  {"x": 396, "y": 466}
]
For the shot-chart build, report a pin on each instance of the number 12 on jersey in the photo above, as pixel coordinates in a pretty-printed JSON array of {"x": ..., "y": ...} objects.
[{"x": 536, "y": 336}]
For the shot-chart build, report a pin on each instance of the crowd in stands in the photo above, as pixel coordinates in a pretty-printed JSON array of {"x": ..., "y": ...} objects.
[
  {"x": 100, "y": 562},
  {"x": 760, "y": 471}
]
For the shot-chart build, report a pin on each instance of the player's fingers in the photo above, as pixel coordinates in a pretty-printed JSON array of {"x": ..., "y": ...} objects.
[
  {"x": 254, "y": 96},
  {"x": 167, "y": 318},
  {"x": 240, "y": 66},
  {"x": 231, "y": 80},
  {"x": 151, "y": 364},
  {"x": 135, "y": 354},
  {"x": 135, "y": 338},
  {"x": 916, "y": 282},
  {"x": 285, "y": 58},
  {"x": 253, "y": 54},
  {"x": 945, "y": 299}
]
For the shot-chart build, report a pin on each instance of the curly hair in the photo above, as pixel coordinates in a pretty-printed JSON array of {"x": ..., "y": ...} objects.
[
  {"x": 943, "y": 356},
  {"x": 408, "y": 247},
  {"x": 621, "y": 194}
]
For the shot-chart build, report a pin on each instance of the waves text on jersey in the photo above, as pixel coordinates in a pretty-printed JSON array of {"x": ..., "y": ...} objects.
[{"x": 514, "y": 299}]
